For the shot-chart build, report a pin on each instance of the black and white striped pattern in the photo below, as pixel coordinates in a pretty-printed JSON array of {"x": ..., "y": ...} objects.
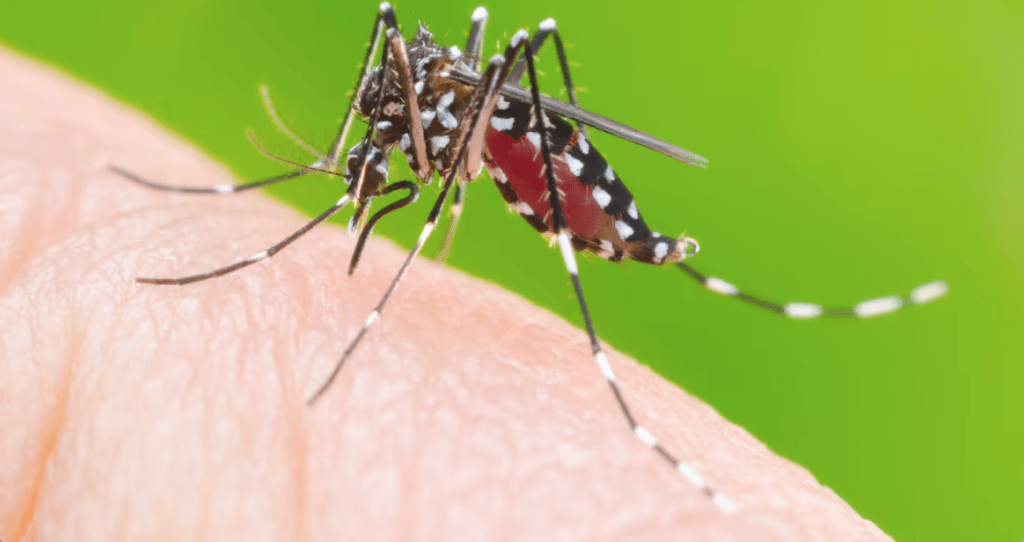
[
  {"x": 569, "y": 257},
  {"x": 419, "y": 101},
  {"x": 865, "y": 309}
]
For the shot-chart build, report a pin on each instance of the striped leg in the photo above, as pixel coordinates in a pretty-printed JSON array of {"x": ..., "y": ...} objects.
[
  {"x": 414, "y": 193},
  {"x": 474, "y": 48},
  {"x": 453, "y": 222},
  {"x": 218, "y": 189},
  {"x": 544, "y": 29},
  {"x": 484, "y": 96},
  {"x": 564, "y": 238},
  {"x": 865, "y": 309},
  {"x": 260, "y": 256}
]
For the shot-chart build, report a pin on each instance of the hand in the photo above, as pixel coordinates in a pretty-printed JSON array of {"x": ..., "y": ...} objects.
[{"x": 141, "y": 412}]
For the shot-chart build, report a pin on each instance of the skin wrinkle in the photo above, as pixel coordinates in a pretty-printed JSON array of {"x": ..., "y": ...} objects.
[{"x": 466, "y": 414}]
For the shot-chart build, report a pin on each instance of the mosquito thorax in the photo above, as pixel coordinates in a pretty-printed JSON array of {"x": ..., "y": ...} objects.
[{"x": 442, "y": 103}]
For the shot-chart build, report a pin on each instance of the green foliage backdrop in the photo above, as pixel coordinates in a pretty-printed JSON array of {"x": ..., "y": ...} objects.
[{"x": 857, "y": 150}]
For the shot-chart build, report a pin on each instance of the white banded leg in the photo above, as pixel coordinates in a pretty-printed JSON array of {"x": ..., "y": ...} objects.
[
  {"x": 217, "y": 189},
  {"x": 485, "y": 91},
  {"x": 474, "y": 47},
  {"x": 455, "y": 213},
  {"x": 548, "y": 27},
  {"x": 865, "y": 309},
  {"x": 258, "y": 257},
  {"x": 564, "y": 239}
]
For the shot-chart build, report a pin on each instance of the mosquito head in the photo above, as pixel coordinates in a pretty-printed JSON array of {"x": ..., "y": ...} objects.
[{"x": 376, "y": 167}]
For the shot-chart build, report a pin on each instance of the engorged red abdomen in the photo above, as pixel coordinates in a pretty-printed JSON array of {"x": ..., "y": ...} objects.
[{"x": 523, "y": 164}]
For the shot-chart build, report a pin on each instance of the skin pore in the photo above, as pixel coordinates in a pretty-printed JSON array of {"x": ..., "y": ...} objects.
[{"x": 140, "y": 412}]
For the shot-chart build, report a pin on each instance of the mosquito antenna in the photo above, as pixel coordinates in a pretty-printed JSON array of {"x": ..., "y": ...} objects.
[
  {"x": 269, "y": 105},
  {"x": 268, "y": 154}
]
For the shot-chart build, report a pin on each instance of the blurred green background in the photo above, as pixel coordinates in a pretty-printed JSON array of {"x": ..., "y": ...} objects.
[{"x": 857, "y": 150}]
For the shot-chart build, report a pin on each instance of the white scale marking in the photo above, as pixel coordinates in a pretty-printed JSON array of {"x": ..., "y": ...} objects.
[
  {"x": 720, "y": 286},
  {"x": 606, "y": 369},
  {"x": 502, "y": 125},
  {"x": 565, "y": 244},
  {"x": 443, "y": 115},
  {"x": 602, "y": 197},
  {"x": 427, "y": 229},
  {"x": 521, "y": 207},
  {"x": 384, "y": 126},
  {"x": 661, "y": 250},
  {"x": 498, "y": 174},
  {"x": 418, "y": 87},
  {"x": 645, "y": 436},
  {"x": 421, "y": 67},
  {"x": 803, "y": 310},
  {"x": 427, "y": 116},
  {"x": 624, "y": 229},
  {"x": 692, "y": 476},
  {"x": 584, "y": 144},
  {"x": 607, "y": 249},
  {"x": 371, "y": 319},
  {"x": 454, "y": 53},
  {"x": 503, "y": 103},
  {"x": 405, "y": 142},
  {"x": 928, "y": 292},
  {"x": 547, "y": 24},
  {"x": 725, "y": 503},
  {"x": 534, "y": 138},
  {"x": 224, "y": 188},
  {"x": 438, "y": 142},
  {"x": 518, "y": 37},
  {"x": 575, "y": 165},
  {"x": 257, "y": 257},
  {"x": 479, "y": 14},
  {"x": 876, "y": 307},
  {"x": 609, "y": 174},
  {"x": 631, "y": 210}
]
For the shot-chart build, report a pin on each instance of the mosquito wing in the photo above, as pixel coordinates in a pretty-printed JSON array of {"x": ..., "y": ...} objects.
[{"x": 567, "y": 110}]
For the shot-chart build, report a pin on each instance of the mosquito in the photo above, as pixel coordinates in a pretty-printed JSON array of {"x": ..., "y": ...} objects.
[{"x": 452, "y": 118}]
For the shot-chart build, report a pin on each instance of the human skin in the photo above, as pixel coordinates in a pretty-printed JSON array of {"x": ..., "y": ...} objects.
[{"x": 138, "y": 412}]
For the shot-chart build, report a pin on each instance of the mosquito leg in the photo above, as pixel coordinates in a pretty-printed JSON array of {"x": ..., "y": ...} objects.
[
  {"x": 338, "y": 147},
  {"x": 422, "y": 166},
  {"x": 218, "y": 189},
  {"x": 471, "y": 126},
  {"x": 355, "y": 222},
  {"x": 544, "y": 29},
  {"x": 475, "y": 40},
  {"x": 414, "y": 192},
  {"x": 865, "y": 309},
  {"x": 569, "y": 256},
  {"x": 456, "y": 213},
  {"x": 474, "y": 48},
  {"x": 260, "y": 256}
]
